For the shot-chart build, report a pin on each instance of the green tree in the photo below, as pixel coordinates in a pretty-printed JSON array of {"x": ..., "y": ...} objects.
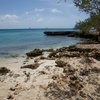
[{"x": 91, "y": 7}]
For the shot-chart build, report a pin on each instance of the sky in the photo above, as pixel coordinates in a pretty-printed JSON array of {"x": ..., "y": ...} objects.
[{"x": 39, "y": 14}]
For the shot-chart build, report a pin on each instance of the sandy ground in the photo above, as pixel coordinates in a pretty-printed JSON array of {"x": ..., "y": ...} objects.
[
  {"x": 32, "y": 84},
  {"x": 26, "y": 88}
]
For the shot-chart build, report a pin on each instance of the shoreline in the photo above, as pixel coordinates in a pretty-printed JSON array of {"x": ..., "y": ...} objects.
[{"x": 49, "y": 74}]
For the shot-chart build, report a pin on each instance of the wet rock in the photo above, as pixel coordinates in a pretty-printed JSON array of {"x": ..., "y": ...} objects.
[
  {"x": 34, "y": 53},
  {"x": 31, "y": 66},
  {"x": 4, "y": 71},
  {"x": 60, "y": 63},
  {"x": 63, "y": 49},
  {"x": 48, "y": 50}
]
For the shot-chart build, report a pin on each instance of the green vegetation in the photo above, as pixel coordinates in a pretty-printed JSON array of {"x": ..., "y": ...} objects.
[{"x": 92, "y": 8}]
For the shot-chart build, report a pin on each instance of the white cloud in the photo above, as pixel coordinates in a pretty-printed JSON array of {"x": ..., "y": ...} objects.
[
  {"x": 39, "y": 19},
  {"x": 55, "y": 11},
  {"x": 8, "y": 17},
  {"x": 39, "y": 10},
  {"x": 27, "y": 13}
]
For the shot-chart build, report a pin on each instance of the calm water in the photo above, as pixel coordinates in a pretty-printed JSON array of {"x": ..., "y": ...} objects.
[{"x": 19, "y": 40}]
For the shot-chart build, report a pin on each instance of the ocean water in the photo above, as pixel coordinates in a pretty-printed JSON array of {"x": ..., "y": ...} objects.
[{"x": 21, "y": 40}]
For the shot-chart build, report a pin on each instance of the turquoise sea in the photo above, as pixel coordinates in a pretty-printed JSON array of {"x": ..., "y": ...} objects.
[{"x": 21, "y": 40}]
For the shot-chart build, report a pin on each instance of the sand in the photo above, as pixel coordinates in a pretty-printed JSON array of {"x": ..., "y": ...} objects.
[{"x": 47, "y": 82}]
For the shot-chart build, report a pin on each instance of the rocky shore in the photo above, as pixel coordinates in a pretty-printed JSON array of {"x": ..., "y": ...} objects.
[
  {"x": 67, "y": 73},
  {"x": 91, "y": 35}
]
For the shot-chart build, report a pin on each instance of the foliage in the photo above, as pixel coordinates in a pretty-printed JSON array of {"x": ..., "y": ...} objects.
[
  {"x": 92, "y": 7},
  {"x": 84, "y": 26}
]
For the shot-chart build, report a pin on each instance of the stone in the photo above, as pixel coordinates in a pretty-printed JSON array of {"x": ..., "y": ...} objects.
[
  {"x": 31, "y": 66},
  {"x": 34, "y": 53},
  {"x": 4, "y": 71},
  {"x": 60, "y": 63}
]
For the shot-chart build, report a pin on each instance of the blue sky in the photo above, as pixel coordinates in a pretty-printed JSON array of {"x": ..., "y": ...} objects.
[{"x": 39, "y": 14}]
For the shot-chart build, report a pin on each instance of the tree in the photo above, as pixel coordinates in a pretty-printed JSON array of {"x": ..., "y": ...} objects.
[
  {"x": 84, "y": 26},
  {"x": 92, "y": 7}
]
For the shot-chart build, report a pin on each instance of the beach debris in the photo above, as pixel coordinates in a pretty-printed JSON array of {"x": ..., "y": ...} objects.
[
  {"x": 31, "y": 66},
  {"x": 34, "y": 53},
  {"x": 4, "y": 71},
  {"x": 60, "y": 63}
]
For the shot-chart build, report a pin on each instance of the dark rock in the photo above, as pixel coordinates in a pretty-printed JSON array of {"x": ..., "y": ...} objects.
[
  {"x": 48, "y": 50},
  {"x": 12, "y": 89},
  {"x": 69, "y": 70},
  {"x": 96, "y": 70},
  {"x": 52, "y": 54},
  {"x": 75, "y": 85},
  {"x": 4, "y": 71},
  {"x": 54, "y": 77},
  {"x": 98, "y": 90},
  {"x": 34, "y": 53},
  {"x": 73, "y": 78},
  {"x": 10, "y": 97},
  {"x": 85, "y": 72},
  {"x": 97, "y": 56},
  {"x": 82, "y": 94},
  {"x": 60, "y": 63},
  {"x": 42, "y": 72},
  {"x": 31, "y": 66}
]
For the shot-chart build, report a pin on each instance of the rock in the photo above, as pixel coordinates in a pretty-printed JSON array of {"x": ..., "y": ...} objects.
[
  {"x": 98, "y": 90},
  {"x": 52, "y": 54},
  {"x": 48, "y": 50},
  {"x": 75, "y": 85},
  {"x": 10, "y": 97},
  {"x": 97, "y": 55},
  {"x": 69, "y": 70},
  {"x": 60, "y": 63},
  {"x": 85, "y": 72},
  {"x": 31, "y": 66},
  {"x": 12, "y": 89},
  {"x": 54, "y": 77},
  {"x": 96, "y": 70},
  {"x": 73, "y": 78},
  {"x": 4, "y": 71},
  {"x": 82, "y": 94},
  {"x": 34, "y": 53}
]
